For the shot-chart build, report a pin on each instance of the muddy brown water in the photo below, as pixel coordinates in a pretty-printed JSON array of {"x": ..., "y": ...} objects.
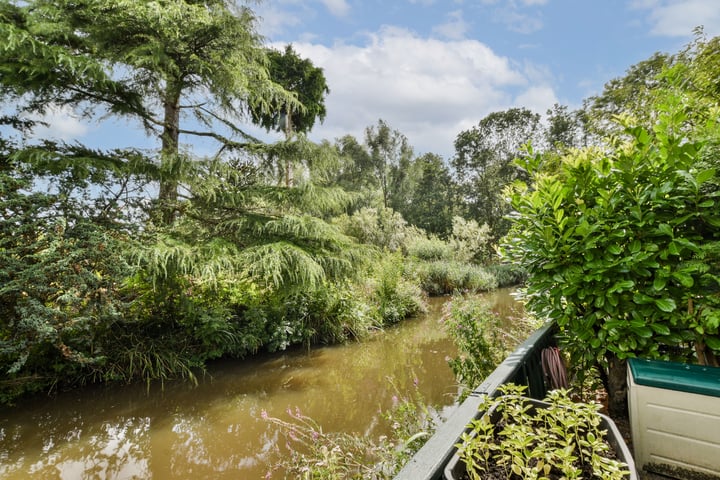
[{"x": 215, "y": 430}]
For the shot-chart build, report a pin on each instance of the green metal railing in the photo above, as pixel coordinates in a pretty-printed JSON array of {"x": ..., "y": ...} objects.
[{"x": 522, "y": 367}]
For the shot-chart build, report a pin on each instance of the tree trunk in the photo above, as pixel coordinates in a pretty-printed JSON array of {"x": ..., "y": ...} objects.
[
  {"x": 617, "y": 385},
  {"x": 169, "y": 155},
  {"x": 705, "y": 355},
  {"x": 289, "y": 180}
]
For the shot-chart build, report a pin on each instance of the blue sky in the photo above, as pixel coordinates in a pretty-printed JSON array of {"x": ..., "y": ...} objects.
[{"x": 433, "y": 68}]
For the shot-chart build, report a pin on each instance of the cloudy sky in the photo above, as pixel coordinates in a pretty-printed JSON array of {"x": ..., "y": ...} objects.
[{"x": 432, "y": 68}]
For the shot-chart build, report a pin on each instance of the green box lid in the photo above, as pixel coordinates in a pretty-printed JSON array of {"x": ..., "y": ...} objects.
[{"x": 682, "y": 377}]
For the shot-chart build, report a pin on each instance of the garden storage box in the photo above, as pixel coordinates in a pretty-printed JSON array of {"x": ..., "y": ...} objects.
[{"x": 675, "y": 418}]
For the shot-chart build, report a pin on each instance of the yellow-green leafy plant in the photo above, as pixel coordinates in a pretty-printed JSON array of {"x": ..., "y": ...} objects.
[{"x": 519, "y": 440}]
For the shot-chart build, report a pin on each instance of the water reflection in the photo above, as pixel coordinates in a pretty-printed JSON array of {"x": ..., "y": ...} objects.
[{"x": 215, "y": 431}]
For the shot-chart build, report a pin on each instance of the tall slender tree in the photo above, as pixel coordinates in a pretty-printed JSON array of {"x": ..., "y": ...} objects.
[
  {"x": 158, "y": 63},
  {"x": 483, "y": 163},
  {"x": 430, "y": 206},
  {"x": 307, "y": 82},
  {"x": 390, "y": 152}
]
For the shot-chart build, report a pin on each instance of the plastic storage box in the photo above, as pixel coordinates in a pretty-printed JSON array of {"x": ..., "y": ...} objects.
[{"x": 675, "y": 417}]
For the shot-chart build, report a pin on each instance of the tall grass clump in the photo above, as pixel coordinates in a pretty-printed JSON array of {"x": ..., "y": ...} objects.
[
  {"x": 393, "y": 294},
  {"x": 444, "y": 278},
  {"x": 430, "y": 249}
]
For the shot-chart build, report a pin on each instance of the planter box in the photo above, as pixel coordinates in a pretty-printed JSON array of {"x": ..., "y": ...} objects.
[
  {"x": 455, "y": 468},
  {"x": 675, "y": 418}
]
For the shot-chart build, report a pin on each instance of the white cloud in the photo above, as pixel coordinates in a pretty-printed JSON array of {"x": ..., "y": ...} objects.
[
  {"x": 273, "y": 20},
  {"x": 455, "y": 28},
  {"x": 678, "y": 18},
  {"x": 537, "y": 98},
  {"x": 339, "y": 8},
  {"x": 518, "y": 22},
  {"x": 513, "y": 14},
  {"x": 428, "y": 89},
  {"x": 62, "y": 124}
]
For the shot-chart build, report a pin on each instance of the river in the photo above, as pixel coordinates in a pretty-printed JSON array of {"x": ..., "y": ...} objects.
[{"x": 215, "y": 430}]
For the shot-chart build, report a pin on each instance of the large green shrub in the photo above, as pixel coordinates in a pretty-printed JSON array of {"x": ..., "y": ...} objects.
[
  {"x": 60, "y": 289},
  {"x": 471, "y": 242},
  {"x": 381, "y": 227},
  {"x": 620, "y": 246},
  {"x": 430, "y": 249}
]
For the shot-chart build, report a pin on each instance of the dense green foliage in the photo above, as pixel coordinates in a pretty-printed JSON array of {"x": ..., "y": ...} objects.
[
  {"x": 430, "y": 204},
  {"x": 61, "y": 310},
  {"x": 621, "y": 241},
  {"x": 301, "y": 77},
  {"x": 484, "y": 163}
]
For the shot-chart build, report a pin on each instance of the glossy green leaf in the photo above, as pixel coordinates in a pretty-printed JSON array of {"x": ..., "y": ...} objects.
[
  {"x": 623, "y": 285},
  {"x": 665, "y": 229},
  {"x": 713, "y": 343},
  {"x": 685, "y": 280},
  {"x": 660, "y": 328},
  {"x": 659, "y": 283},
  {"x": 705, "y": 175},
  {"x": 642, "y": 332},
  {"x": 666, "y": 304}
]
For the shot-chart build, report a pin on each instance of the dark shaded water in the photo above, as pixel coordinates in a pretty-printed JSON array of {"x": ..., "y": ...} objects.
[{"x": 214, "y": 431}]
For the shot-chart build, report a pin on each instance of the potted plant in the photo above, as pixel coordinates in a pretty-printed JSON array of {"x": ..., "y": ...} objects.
[{"x": 522, "y": 438}]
